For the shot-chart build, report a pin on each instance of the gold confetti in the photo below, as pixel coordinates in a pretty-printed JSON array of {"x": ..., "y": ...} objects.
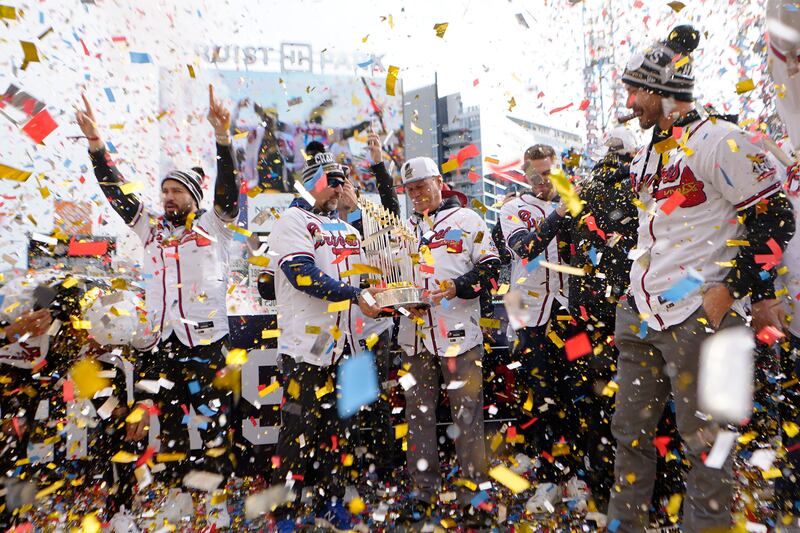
[
  {"x": 666, "y": 145},
  {"x": 676, "y": 6},
  {"x": 263, "y": 262},
  {"x": 87, "y": 378},
  {"x": 50, "y": 490},
  {"x": 13, "y": 174},
  {"x": 440, "y": 29},
  {"x": 391, "y": 79},
  {"x": 336, "y": 307},
  {"x": 449, "y": 166},
  {"x": 131, "y": 187},
  {"x": 269, "y": 389},
  {"x": 513, "y": 482},
  {"x": 236, "y": 356},
  {"x": 745, "y": 86},
  {"x": 732, "y": 145},
  {"x": 31, "y": 54}
]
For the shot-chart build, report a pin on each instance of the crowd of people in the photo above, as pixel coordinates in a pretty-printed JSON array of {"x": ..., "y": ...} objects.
[{"x": 618, "y": 281}]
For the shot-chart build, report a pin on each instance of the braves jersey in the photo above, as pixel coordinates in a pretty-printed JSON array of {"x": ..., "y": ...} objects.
[
  {"x": 185, "y": 274},
  {"x": 314, "y": 330},
  {"x": 539, "y": 286},
  {"x": 458, "y": 240},
  {"x": 718, "y": 172}
]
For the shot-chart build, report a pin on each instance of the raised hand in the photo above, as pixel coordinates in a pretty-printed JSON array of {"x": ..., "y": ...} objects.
[
  {"x": 218, "y": 115},
  {"x": 374, "y": 145},
  {"x": 88, "y": 125}
]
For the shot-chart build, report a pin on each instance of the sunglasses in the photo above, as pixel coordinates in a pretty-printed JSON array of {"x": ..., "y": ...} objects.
[{"x": 335, "y": 181}]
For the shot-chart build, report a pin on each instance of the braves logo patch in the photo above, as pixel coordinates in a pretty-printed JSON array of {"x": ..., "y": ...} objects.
[
  {"x": 762, "y": 167},
  {"x": 438, "y": 240},
  {"x": 689, "y": 186}
]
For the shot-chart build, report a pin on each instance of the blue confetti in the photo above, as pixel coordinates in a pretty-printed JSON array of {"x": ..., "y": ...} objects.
[
  {"x": 111, "y": 148},
  {"x": 334, "y": 226},
  {"x": 479, "y": 498},
  {"x": 534, "y": 263},
  {"x": 727, "y": 179},
  {"x": 239, "y": 237},
  {"x": 353, "y": 216},
  {"x": 445, "y": 303},
  {"x": 593, "y": 256},
  {"x": 642, "y": 330},
  {"x": 109, "y": 94},
  {"x": 683, "y": 288},
  {"x": 357, "y": 379},
  {"x": 194, "y": 387},
  {"x": 614, "y": 525},
  {"x": 140, "y": 57},
  {"x": 366, "y": 63},
  {"x": 206, "y": 410},
  {"x": 453, "y": 235},
  {"x": 764, "y": 275}
]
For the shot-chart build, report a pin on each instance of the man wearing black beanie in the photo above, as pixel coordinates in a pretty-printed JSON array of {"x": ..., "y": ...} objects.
[
  {"x": 710, "y": 211},
  {"x": 185, "y": 270}
]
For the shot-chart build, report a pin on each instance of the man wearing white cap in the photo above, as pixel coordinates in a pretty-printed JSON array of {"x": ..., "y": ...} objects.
[{"x": 457, "y": 259}]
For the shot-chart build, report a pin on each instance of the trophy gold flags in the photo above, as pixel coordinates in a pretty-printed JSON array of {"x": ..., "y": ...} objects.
[{"x": 390, "y": 246}]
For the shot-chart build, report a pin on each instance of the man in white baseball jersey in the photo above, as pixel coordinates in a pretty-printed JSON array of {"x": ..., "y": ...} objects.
[
  {"x": 712, "y": 224},
  {"x": 319, "y": 305},
  {"x": 783, "y": 22},
  {"x": 457, "y": 260},
  {"x": 545, "y": 373},
  {"x": 186, "y": 271}
]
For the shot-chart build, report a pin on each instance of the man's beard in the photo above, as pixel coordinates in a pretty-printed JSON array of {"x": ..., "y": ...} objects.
[
  {"x": 330, "y": 205},
  {"x": 176, "y": 218}
]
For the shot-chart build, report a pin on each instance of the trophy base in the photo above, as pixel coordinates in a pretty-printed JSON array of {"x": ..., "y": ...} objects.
[{"x": 402, "y": 297}]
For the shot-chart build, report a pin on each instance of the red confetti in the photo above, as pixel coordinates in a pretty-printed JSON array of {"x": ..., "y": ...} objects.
[
  {"x": 85, "y": 50},
  {"x": 146, "y": 456},
  {"x": 475, "y": 82},
  {"x": 769, "y": 335},
  {"x": 40, "y": 126},
  {"x": 442, "y": 327},
  {"x": 69, "y": 391},
  {"x": 511, "y": 433},
  {"x": 77, "y": 249},
  {"x": 578, "y": 346},
  {"x": 467, "y": 152},
  {"x": 661, "y": 445},
  {"x": 473, "y": 176},
  {"x": 584, "y": 105},
  {"x": 770, "y": 260},
  {"x": 426, "y": 268},
  {"x": 359, "y": 325},
  {"x": 674, "y": 201},
  {"x": 562, "y": 108},
  {"x": 529, "y": 423},
  {"x": 591, "y": 223},
  {"x": 276, "y": 461},
  {"x": 343, "y": 254}
]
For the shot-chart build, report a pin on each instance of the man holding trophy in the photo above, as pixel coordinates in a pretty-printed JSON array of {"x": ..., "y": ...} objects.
[{"x": 456, "y": 258}]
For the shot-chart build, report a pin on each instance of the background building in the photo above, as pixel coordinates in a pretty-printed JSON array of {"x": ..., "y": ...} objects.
[{"x": 441, "y": 127}]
